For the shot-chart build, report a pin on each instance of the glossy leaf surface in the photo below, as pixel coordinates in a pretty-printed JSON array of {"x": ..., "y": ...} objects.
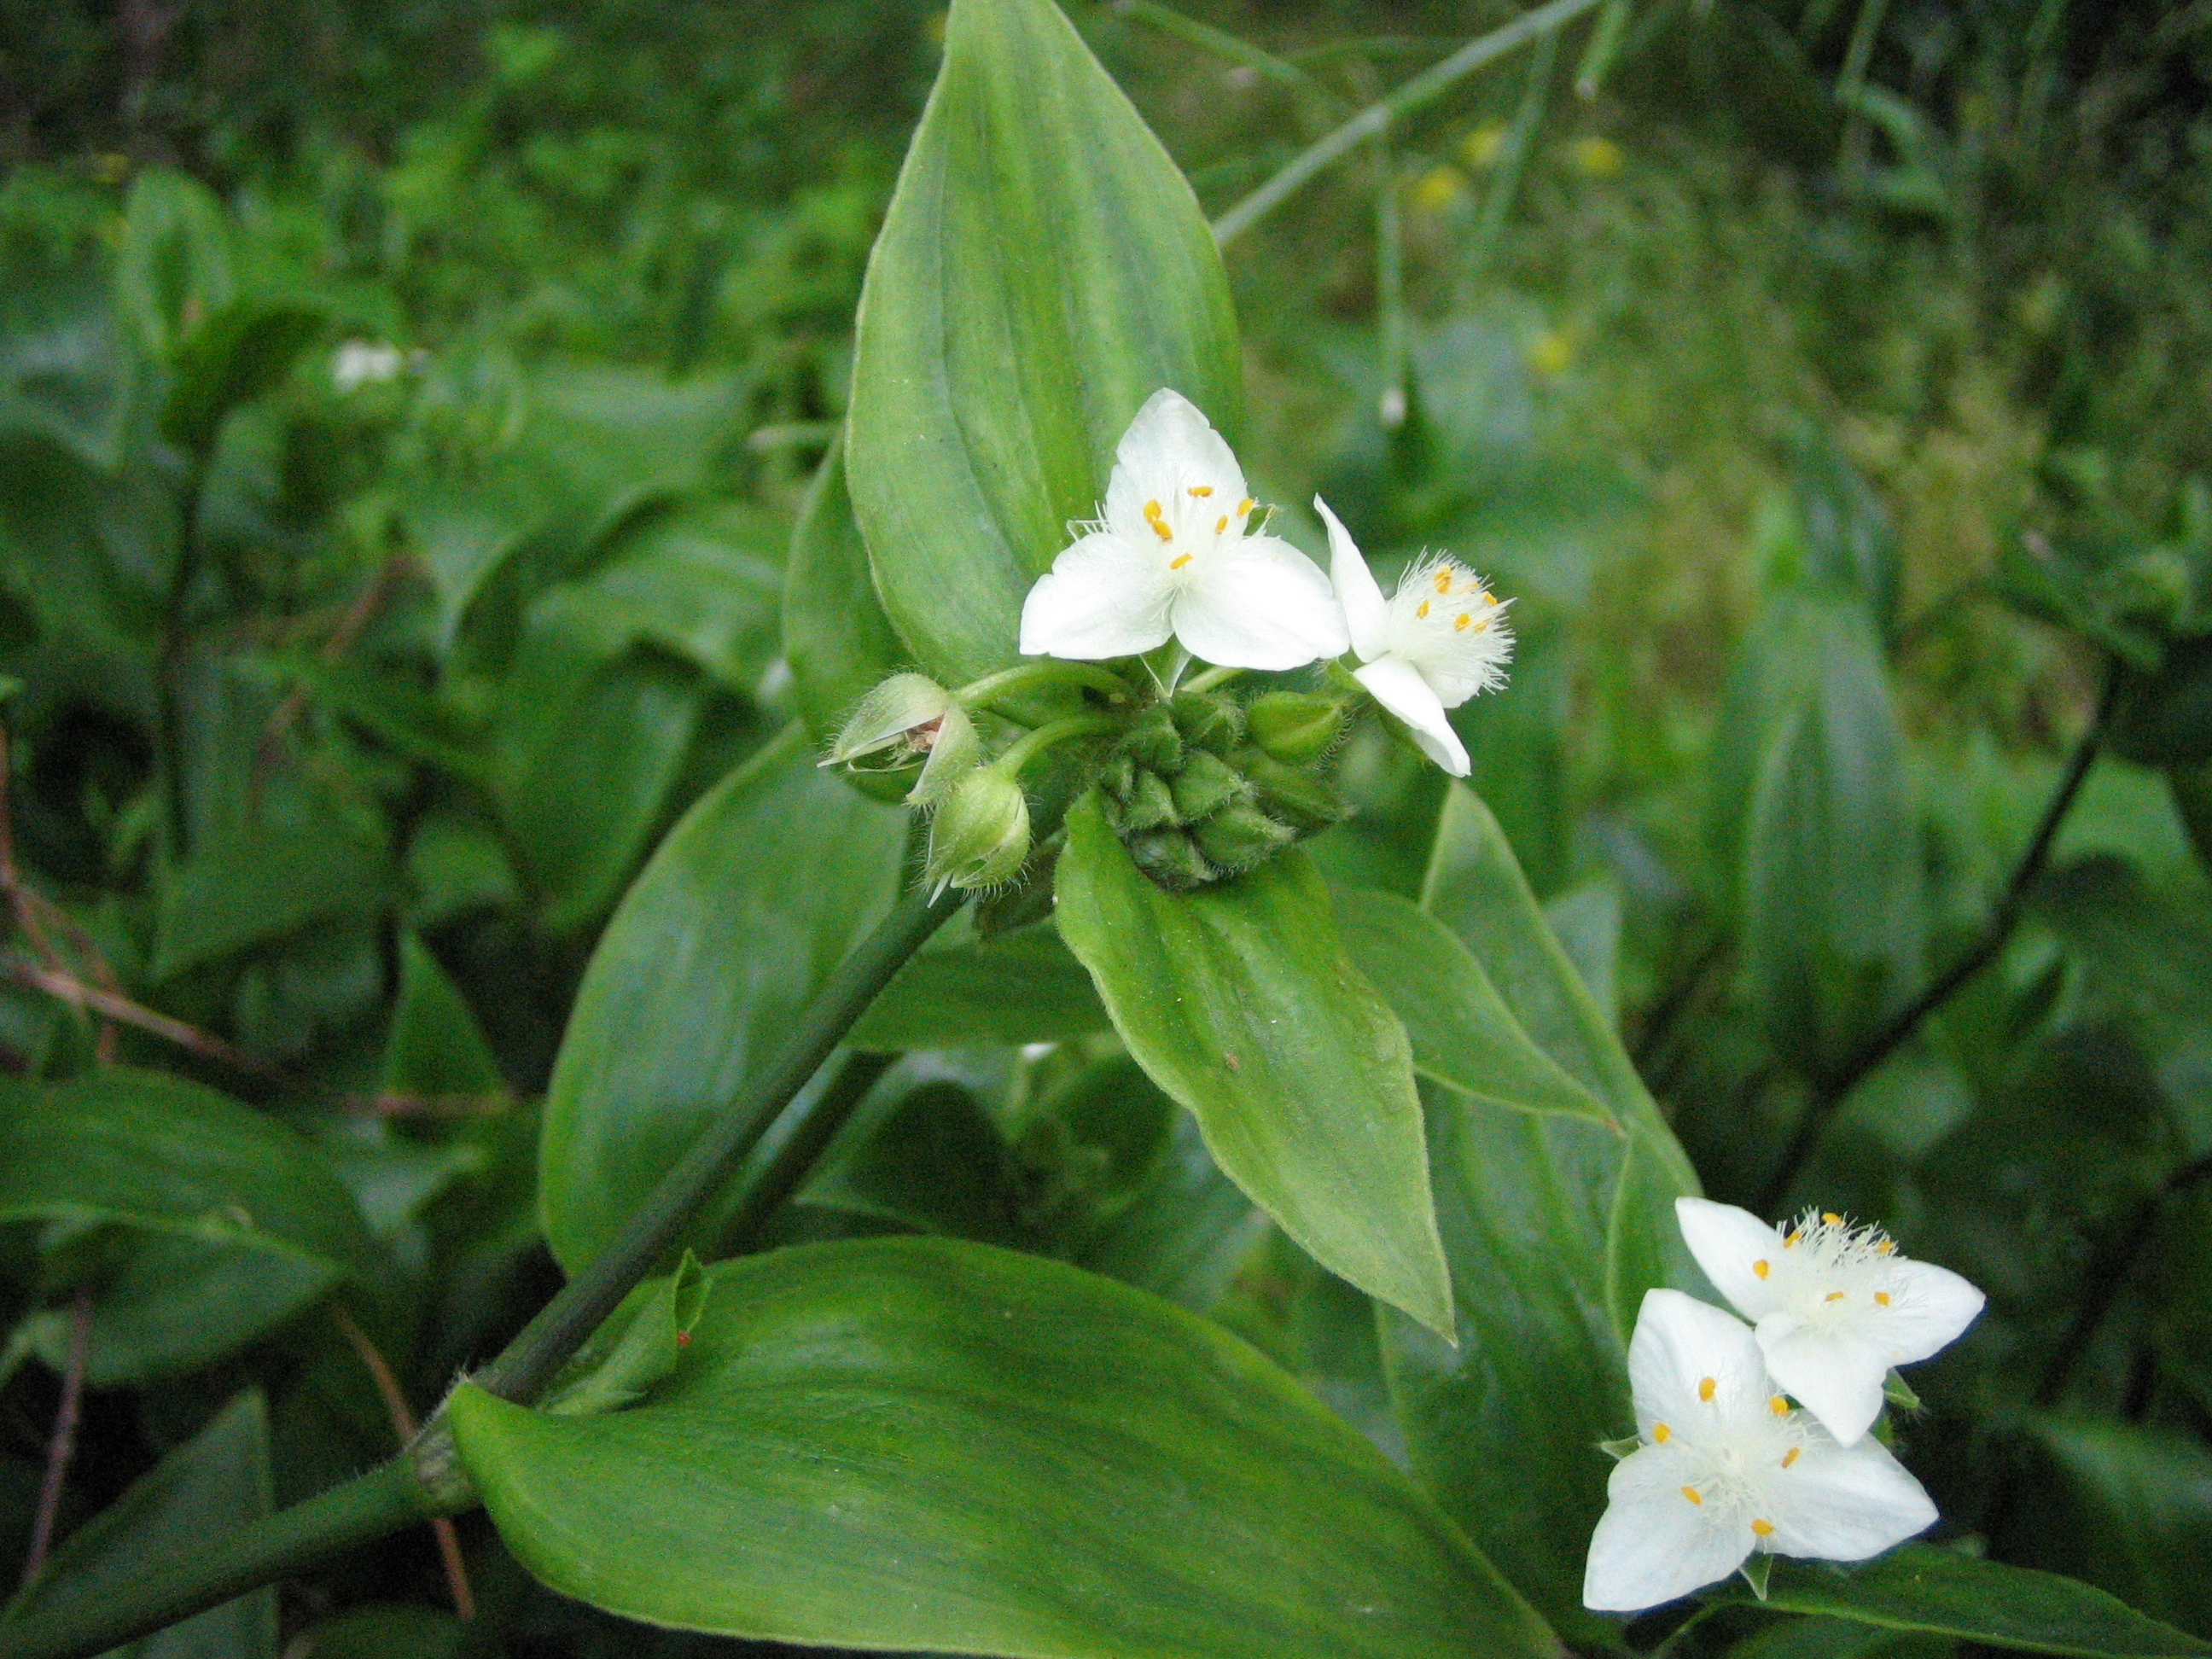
[
  {"x": 835, "y": 636},
  {"x": 1022, "y": 987},
  {"x": 746, "y": 908},
  {"x": 1241, "y": 1003},
  {"x": 1922, "y": 1588},
  {"x": 912, "y": 1443},
  {"x": 1464, "y": 1035},
  {"x": 1042, "y": 269}
]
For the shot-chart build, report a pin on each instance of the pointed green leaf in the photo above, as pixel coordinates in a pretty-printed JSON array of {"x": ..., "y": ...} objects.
[
  {"x": 213, "y": 1484},
  {"x": 1555, "y": 1227},
  {"x": 1042, "y": 269},
  {"x": 1241, "y": 1003},
  {"x": 751, "y": 901},
  {"x": 915, "y": 1443},
  {"x": 1464, "y": 1035},
  {"x": 1921, "y": 1587},
  {"x": 154, "y": 1153},
  {"x": 435, "y": 1048}
]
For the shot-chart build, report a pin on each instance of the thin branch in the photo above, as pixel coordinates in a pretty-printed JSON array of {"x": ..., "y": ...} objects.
[
  {"x": 62, "y": 1447},
  {"x": 118, "y": 1008},
  {"x": 403, "y": 1424},
  {"x": 1829, "y": 1092},
  {"x": 32, "y": 910},
  {"x": 1430, "y": 84}
]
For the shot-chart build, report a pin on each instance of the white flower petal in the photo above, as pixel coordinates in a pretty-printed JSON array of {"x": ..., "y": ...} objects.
[
  {"x": 1833, "y": 1372},
  {"x": 1731, "y": 1245},
  {"x": 1099, "y": 599},
  {"x": 1652, "y": 1544},
  {"x": 1399, "y": 687},
  {"x": 1839, "y": 1503},
  {"x": 1928, "y": 1306},
  {"x": 1259, "y": 603},
  {"x": 1169, "y": 450},
  {"x": 1681, "y": 1343},
  {"x": 1366, "y": 613}
]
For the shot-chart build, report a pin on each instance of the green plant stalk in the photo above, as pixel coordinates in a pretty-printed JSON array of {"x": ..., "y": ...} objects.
[
  {"x": 1236, "y": 50},
  {"x": 1430, "y": 84},
  {"x": 794, "y": 1144},
  {"x": 387, "y": 1499},
  {"x": 1030, "y": 744},
  {"x": 395, "y": 1494},
  {"x": 562, "y": 1327}
]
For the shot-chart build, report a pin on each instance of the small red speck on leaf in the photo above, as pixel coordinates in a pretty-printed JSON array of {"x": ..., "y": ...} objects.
[{"x": 682, "y": 1339}]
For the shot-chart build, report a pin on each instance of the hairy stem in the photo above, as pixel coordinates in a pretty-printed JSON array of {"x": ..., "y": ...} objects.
[{"x": 1829, "y": 1092}]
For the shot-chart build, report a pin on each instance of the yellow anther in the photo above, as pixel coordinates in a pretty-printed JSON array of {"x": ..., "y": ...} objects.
[
  {"x": 1884, "y": 1246},
  {"x": 1882, "y": 1296},
  {"x": 1460, "y": 622},
  {"x": 1151, "y": 509},
  {"x": 1177, "y": 562},
  {"x": 1777, "y": 1405},
  {"x": 1795, "y": 1233},
  {"x": 1760, "y": 1268},
  {"x": 1201, "y": 490},
  {"x": 1791, "y": 1456},
  {"x": 1166, "y": 534},
  {"x": 1443, "y": 581},
  {"x": 1706, "y": 1389},
  {"x": 1831, "y": 1218},
  {"x": 1660, "y": 1434},
  {"x": 1833, "y": 1296},
  {"x": 1691, "y": 1492},
  {"x": 1485, "y": 597},
  {"x": 1763, "y": 1529},
  {"x": 1245, "y": 505},
  {"x": 1424, "y": 608},
  {"x": 1221, "y": 524}
]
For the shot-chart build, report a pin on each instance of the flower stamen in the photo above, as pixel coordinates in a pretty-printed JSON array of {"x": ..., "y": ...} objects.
[
  {"x": 1705, "y": 1386},
  {"x": 1201, "y": 490},
  {"x": 1791, "y": 1456},
  {"x": 1691, "y": 1492},
  {"x": 1760, "y": 1268},
  {"x": 1180, "y": 559},
  {"x": 1763, "y": 1529},
  {"x": 1660, "y": 1434},
  {"x": 1778, "y": 1405}
]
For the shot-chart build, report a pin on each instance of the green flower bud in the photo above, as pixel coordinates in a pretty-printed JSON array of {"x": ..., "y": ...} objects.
[
  {"x": 895, "y": 726},
  {"x": 1171, "y": 859},
  {"x": 1118, "y": 776},
  {"x": 955, "y": 751},
  {"x": 1295, "y": 727},
  {"x": 1239, "y": 837},
  {"x": 982, "y": 832},
  {"x": 1299, "y": 798},
  {"x": 1152, "y": 740},
  {"x": 1211, "y": 721},
  {"x": 1148, "y": 806},
  {"x": 1205, "y": 785}
]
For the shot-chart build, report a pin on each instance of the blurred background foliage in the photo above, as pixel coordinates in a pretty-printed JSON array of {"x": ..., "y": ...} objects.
[{"x": 403, "y": 413}]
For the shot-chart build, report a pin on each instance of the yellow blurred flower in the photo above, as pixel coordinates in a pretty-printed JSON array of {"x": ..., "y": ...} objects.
[
  {"x": 1595, "y": 157},
  {"x": 1438, "y": 188},
  {"x": 1482, "y": 146},
  {"x": 1551, "y": 352}
]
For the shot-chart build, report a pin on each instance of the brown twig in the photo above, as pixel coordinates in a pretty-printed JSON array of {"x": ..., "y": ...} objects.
[
  {"x": 116, "y": 1006},
  {"x": 356, "y": 616},
  {"x": 62, "y": 1446},
  {"x": 31, "y": 908},
  {"x": 403, "y": 1424}
]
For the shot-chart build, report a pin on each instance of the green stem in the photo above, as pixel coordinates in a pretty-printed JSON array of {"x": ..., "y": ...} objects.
[
  {"x": 1236, "y": 49},
  {"x": 562, "y": 1326},
  {"x": 1422, "y": 88},
  {"x": 792, "y": 1147},
  {"x": 1030, "y": 744},
  {"x": 1049, "y": 671},
  {"x": 75, "y": 1627},
  {"x": 1211, "y": 677}
]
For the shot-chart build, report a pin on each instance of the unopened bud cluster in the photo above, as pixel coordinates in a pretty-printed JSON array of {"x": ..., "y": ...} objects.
[{"x": 1200, "y": 788}]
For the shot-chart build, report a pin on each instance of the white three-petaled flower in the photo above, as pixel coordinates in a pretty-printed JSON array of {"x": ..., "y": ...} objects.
[
  {"x": 1835, "y": 1305},
  {"x": 1171, "y": 558},
  {"x": 1726, "y": 1468},
  {"x": 1437, "y": 641}
]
